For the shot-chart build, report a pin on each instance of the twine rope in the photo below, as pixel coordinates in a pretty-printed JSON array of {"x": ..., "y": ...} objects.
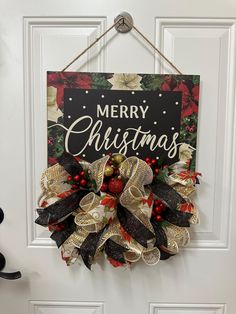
[{"x": 122, "y": 20}]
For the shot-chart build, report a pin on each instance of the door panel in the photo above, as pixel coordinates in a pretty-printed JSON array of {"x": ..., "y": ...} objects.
[{"x": 182, "y": 40}]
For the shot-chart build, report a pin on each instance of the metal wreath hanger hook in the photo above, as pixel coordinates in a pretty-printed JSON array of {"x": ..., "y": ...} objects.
[{"x": 125, "y": 22}]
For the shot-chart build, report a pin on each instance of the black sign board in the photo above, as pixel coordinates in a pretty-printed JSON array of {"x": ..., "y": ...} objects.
[{"x": 92, "y": 114}]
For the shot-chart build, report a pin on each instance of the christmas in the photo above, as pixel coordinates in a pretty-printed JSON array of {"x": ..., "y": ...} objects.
[{"x": 131, "y": 137}]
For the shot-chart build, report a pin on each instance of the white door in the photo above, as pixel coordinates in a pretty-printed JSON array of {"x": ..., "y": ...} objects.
[{"x": 36, "y": 36}]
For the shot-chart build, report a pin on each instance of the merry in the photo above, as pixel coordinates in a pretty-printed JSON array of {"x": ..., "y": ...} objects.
[{"x": 122, "y": 111}]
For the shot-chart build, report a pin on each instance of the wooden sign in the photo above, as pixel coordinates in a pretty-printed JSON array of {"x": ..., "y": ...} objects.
[{"x": 93, "y": 114}]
